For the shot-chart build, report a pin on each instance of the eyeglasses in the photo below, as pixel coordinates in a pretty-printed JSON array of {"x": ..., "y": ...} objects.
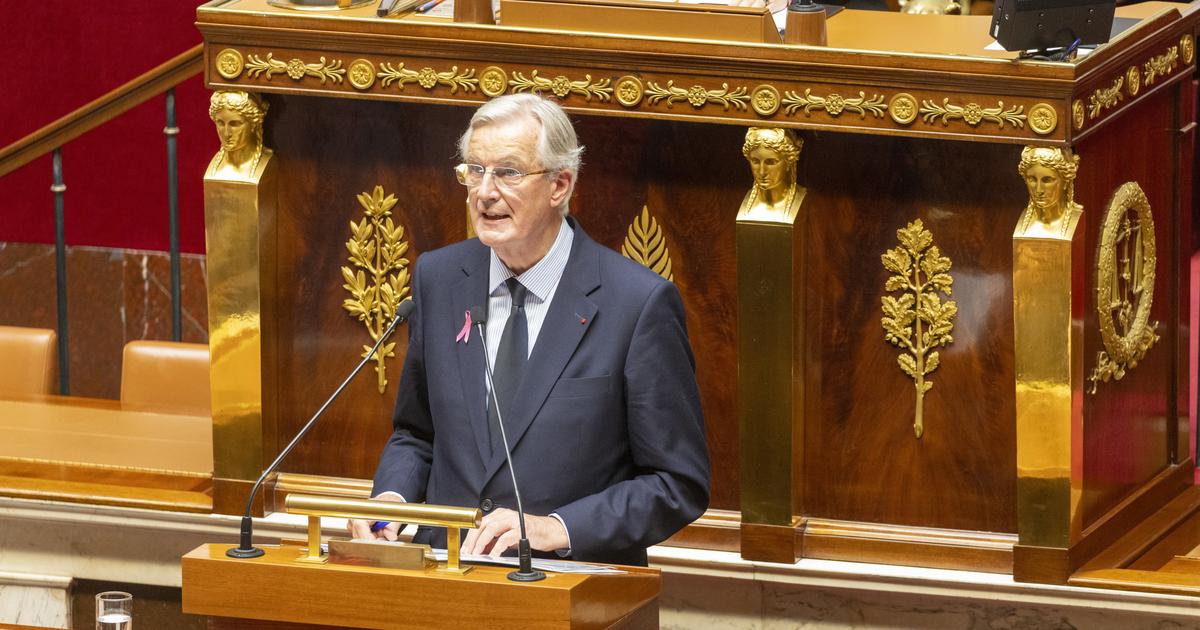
[{"x": 471, "y": 175}]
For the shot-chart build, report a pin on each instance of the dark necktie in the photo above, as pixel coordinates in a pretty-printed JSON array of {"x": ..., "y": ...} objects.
[{"x": 510, "y": 361}]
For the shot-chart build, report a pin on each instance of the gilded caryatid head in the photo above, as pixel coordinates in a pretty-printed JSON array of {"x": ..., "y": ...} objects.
[
  {"x": 238, "y": 117},
  {"x": 772, "y": 154},
  {"x": 1049, "y": 175}
]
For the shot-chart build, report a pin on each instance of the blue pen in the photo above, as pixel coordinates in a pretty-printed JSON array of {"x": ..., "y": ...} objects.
[
  {"x": 428, "y": 5},
  {"x": 378, "y": 525}
]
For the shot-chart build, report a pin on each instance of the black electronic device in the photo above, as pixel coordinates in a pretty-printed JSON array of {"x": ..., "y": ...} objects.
[{"x": 1050, "y": 24}]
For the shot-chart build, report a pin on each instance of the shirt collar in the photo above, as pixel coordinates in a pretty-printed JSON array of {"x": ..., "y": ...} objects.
[{"x": 543, "y": 276}]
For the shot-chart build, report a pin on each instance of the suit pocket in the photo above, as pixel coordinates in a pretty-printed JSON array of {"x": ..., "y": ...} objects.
[{"x": 581, "y": 387}]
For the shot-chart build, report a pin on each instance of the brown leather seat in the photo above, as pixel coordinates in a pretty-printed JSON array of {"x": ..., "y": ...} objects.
[
  {"x": 28, "y": 361},
  {"x": 166, "y": 376}
]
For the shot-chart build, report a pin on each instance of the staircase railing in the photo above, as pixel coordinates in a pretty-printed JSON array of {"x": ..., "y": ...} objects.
[{"x": 52, "y": 137}]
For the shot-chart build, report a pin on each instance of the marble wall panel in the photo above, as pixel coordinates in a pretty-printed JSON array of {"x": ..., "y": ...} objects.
[{"x": 113, "y": 296}]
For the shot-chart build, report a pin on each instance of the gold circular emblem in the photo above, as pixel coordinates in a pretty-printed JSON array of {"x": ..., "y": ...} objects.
[
  {"x": 765, "y": 100},
  {"x": 1125, "y": 268},
  {"x": 629, "y": 90},
  {"x": 903, "y": 108},
  {"x": 229, "y": 63},
  {"x": 1188, "y": 46},
  {"x": 1042, "y": 119},
  {"x": 1133, "y": 79},
  {"x": 1077, "y": 114},
  {"x": 361, "y": 73},
  {"x": 493, "y": 81}
]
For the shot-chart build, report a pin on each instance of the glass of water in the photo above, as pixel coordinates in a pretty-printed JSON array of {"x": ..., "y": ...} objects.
[{"x": 114, "y": 611}]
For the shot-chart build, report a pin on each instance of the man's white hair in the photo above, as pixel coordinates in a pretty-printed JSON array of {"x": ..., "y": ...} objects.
[{"x": 557, "y": 145}]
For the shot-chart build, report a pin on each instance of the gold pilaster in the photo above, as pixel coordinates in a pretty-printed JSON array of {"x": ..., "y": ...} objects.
[
  {"x": 770, "y": 315},
  {"x": 1048, "y": 356},
  {"x": 239, "y": 198}
]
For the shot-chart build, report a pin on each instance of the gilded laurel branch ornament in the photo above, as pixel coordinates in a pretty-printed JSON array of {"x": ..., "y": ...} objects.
[
  {"x": 972, "y": 113},
  {"x": 698, "y": 96},
  {"x": 1107, "y": 98},
  {"x": 644, "y": 244},
  {"x": 1161, "y": 65},
  {"x": 561, "y": 86},
  {"x": 1125, "y": 270},
  {"x": 428, "y": 78},
  {"x": 834, "y": 104},
  {"x": 918, "y": 320},
  {"x": 296, "y": 69},
  {"x": 377, "y": 248}
]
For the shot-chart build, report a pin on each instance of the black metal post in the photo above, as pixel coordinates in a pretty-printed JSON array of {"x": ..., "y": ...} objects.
[
  {"x": 173, "y": 209},
  {"x": 60, "y": 275}
]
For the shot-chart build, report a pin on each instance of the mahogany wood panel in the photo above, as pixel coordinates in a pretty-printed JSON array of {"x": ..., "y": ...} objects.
[
  {"x": 863, "y": 462},
  {"x": 692, "y": 178},
  {"x": 1128, "y": 422}
]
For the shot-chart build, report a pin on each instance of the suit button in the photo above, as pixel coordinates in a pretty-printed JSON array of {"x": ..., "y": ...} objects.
[{"x": 486, "y": 505}]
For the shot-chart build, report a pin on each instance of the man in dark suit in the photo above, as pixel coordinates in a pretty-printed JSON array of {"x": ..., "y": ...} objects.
[{"x": 593, "y": 371}]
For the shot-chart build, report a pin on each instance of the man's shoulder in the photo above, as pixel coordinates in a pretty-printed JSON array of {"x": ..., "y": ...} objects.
[
  {"x": 452, "y": 258},
  {"x": 633, "y": 276}
]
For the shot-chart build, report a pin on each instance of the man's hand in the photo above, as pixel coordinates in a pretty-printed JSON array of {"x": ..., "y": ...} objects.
[
  {"x": 359, "y": 528},
  {"x": 501, "y": 530}
]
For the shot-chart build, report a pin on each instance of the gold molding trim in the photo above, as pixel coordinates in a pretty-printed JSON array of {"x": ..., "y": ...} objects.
[
  {"x": 644, "y": 244},
  {"x": 377, "y": 247},
  {"x": 1161, "y": 65},
  {"x": 561, "y": 86},
  {"x": 1187, "y": 47},
  {"x": 427, "y": 77},
  {"x": 229, "y": 63},
  {"x": 903, "y": 108},
  {"x": 834, "y": 104},
  {"x": 361, "y": 74},
  {"x": 493, "y": 81},
  {"x": 1126, "y": 262},
  {"x": 920, "y": 272},
  {"x": 972, "y": 113},
  {"x": 1043, "y": 119},
  {"x": 764, "y": 100},
  {"x": 1133, "y": 79},
  {"x": 629, "y": 91},
  {"x": 1077, "y": 114},
  {"x": 1106, "y": 98},
  {"x": 295, "y": 68},
  {"x": 698, "y": 96}
]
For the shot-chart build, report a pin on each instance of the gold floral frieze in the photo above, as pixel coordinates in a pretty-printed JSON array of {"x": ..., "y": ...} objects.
[
  {"x": 1160, "y": 66},
  {"x": 629, "y": 91},
  {"x": 493, "y": 81},
  {"x": 972, "y": 113},
  {"x": 645, "y": 244},
  {"x": 296, "y": 69},
  {"x": 561, "y": 86},
  {"x": 1043, "y": 119},
  {"x": 903, "y": 108},
  {"x": 834, "y": 104},
  {"x": 918, "y": 320},
  {"x": 697, "y": 95},
  {"x": 229, "y": 63},
  {"x": 1106, "y": 98},
  {"x": 427, "y": 77},
  {"x": 764, "y": 100},
  {"x": 379, "y": 279},
  {"x": 1125, "y": 270}
]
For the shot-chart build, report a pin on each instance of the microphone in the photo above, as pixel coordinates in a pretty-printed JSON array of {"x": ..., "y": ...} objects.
[
  {"x": 524, "y": 572},
  {"x": 245, "y": 549}
]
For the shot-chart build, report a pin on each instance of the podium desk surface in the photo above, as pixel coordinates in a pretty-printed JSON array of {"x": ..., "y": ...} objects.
[{"x": 279, "y": 588}]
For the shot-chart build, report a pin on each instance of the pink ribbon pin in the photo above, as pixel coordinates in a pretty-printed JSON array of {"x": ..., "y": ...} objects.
[{"x": 464, "y": 335}]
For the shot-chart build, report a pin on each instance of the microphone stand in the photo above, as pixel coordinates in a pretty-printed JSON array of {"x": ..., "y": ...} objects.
[
  {"x": 524, "y": 572},
  {"x": 245, "y": 549}
]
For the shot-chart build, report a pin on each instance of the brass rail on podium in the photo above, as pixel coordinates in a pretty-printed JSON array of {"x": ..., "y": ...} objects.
[{"x": 452, "y": 518}]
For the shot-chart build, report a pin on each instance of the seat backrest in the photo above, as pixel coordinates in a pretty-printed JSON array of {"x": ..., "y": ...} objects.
[
  {"x": 28, "y": 360},
  {"x": 166, "y": 376}
]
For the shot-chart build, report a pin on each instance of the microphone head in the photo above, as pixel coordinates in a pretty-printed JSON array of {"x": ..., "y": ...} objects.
[
  {"x": 405, "y": 308},
  {"x": 479, "y": 315}
]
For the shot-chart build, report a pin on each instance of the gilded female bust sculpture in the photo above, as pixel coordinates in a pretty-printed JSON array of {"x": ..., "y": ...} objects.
[
  {"x": 1049, "y": 174},
  {"x": 772, "y": 155},
  {"x": 238, "y": 117}
]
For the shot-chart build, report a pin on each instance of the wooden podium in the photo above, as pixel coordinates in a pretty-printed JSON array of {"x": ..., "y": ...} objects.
[{"x": 276, "y": 588}]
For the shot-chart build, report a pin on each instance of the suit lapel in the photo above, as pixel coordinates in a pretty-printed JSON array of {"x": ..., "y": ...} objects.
[
  {"x": 471, "y": 291},
  {"x": 571, "y": 314}
]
